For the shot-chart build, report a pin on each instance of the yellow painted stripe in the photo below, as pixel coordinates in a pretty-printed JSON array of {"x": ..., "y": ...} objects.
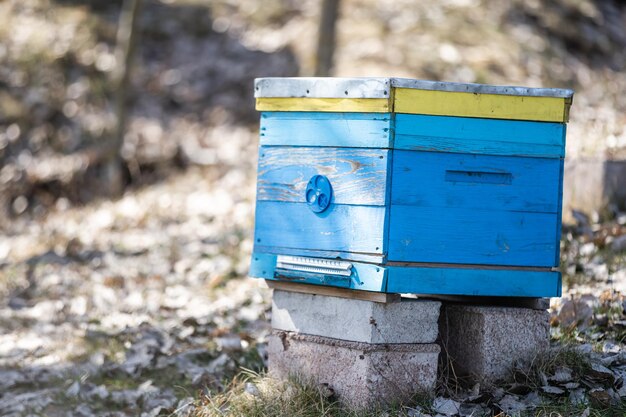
[
  {"x": 491, "y": 106},
  {"x": 358, "y": 105}
]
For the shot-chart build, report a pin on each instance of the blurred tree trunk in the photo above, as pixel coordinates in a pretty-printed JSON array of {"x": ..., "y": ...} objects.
[
  {"x": 326, "y": 38},
  {"x": 124, "y": 54}
]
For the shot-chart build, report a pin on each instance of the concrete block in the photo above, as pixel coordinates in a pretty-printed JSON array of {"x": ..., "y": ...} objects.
[
  {"x": 361, "y": 374},
  {"x": 483, "y": 343},
  {"x": 405, "y": 321}
]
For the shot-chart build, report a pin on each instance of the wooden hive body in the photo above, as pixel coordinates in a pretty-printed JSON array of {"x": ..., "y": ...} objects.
[{"x": 435, "y": 188}]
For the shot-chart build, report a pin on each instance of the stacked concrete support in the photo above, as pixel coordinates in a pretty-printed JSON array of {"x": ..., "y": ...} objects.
[
  {"x": 369, "y": 353},
  {"x": 373, "y": 353}
]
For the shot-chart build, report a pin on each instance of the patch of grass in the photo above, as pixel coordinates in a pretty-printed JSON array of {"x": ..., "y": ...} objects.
[
  {"x": 251, "y": 395},
  {"x": 565, "y": 335},
  {"x": 255, "y": 395},
  {"x": 546, "y": 363}
]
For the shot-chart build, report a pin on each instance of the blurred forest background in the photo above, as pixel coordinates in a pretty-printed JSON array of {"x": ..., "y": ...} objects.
[{"x": 127, "y": 191}]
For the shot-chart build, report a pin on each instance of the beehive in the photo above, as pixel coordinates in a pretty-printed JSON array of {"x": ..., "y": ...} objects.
[{"x": 410, "y": 186}]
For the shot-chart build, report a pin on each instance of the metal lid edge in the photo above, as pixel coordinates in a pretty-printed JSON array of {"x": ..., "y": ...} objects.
[{"x": 378, "y": 87}]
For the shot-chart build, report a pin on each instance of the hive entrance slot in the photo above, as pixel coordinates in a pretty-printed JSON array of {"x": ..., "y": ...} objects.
[{"x": 479, "y": 177}]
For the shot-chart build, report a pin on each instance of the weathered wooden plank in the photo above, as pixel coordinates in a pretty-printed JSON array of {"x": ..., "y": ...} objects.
[
  {"x": 495, "y": 183},
  {"x": 472, "y": 236},
  {"x": 363, "y": 130},
  {"x": 357, "y": 175},
  {"x": 365, "y": 277},
  {"x": 343, "y": 228},
  {"x": 359, "y": 105},
  {"x": 491, "y": 106},
  {"x": 482, "y": 136},
  {"x": 476, "y": 282},
  {"x": 377, "y": 297}
]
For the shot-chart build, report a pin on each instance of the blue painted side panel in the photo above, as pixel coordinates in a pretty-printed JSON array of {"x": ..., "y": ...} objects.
[
  {"x": 435, "y": 179},
  {"x": 559, "y": 220},
  {"x": 342, "y": 228},
  {"x": 474, "y": 209},
  {"x": 364, "y": 277},
  {"x": 365, "y": 130},
  {"x": 478, "y": 282},
  {"x": 349, "y": 256},
  {"x": 449, "y": 193},
  {"x": 474, "y": 236},
  {"x": 483, "y": 136},
  {"x": 357, "y": 175},
  {"x": 425, "y": 280}
]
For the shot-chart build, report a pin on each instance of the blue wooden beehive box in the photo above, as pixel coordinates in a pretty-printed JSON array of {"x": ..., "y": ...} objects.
[{"x": 410, "y": 186}]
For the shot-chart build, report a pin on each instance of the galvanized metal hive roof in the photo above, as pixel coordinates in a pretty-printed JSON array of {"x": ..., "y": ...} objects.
[
  {"x": 317, "y": 87},
  {"x": 403, "y": 95}
]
